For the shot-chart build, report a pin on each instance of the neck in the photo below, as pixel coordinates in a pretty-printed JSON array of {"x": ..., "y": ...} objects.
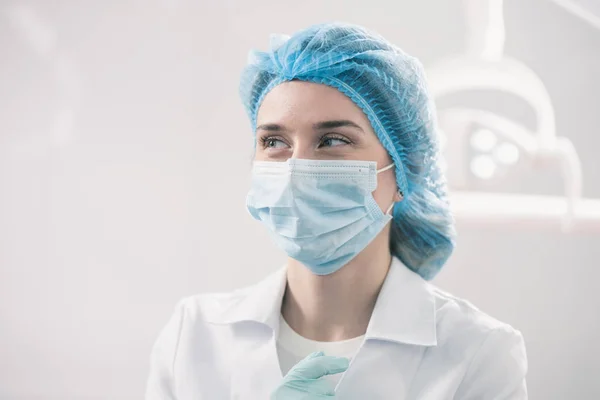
[{"x": 337, "y": 306}]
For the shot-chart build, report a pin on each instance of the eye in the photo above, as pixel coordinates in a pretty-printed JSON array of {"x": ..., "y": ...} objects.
[
  {"x": 272, "y": 142},
  {"x": 333, "y": 141}
]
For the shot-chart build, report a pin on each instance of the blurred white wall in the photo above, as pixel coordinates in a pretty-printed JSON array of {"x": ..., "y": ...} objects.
[{"x": 124, "y": 161}]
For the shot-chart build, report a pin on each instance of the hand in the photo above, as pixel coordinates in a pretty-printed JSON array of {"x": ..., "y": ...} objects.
[{"x": 304, "y": 381}]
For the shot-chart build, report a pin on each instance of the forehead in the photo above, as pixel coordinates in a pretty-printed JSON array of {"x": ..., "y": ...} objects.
[{"x": 298, "y": 101}]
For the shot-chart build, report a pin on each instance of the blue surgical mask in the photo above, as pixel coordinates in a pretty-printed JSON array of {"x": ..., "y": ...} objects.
[{"x": 321, "y": 213}]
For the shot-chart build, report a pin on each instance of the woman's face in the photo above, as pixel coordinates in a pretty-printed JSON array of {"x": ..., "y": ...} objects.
[{"x": 312, "y": 121}]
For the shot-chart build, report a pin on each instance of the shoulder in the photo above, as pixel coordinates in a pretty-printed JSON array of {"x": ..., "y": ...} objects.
[
  {"x": 459, "y": 322},
  {"x": 251, "y": 303},
  {"x": 457, "y": 315},
  {"x": 211, "y": 307},
  {"x": 196, "y": 309},
  {"x": 492, "y": 352}
]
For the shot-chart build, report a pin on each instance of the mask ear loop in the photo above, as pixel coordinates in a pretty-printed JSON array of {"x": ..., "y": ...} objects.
[
  {"x": 399, "y": 192},
  {"x": 385, "y": 168},
  {"x": 390, "y": 208},
  {"x": 401, "y": 195}
]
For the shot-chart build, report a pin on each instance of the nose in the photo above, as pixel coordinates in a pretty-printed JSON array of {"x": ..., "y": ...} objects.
[{"x": 303, "y": 147}]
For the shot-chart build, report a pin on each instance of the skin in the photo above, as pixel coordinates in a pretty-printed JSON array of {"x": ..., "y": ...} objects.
[{"x": 337, "y": 306}]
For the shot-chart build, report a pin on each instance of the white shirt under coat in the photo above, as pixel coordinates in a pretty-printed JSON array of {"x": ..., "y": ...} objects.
[
  {"x": 292, "y": 348},
  {"x": 421, "y": 344}
]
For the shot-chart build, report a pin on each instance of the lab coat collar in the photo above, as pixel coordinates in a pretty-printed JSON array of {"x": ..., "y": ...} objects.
[
  {"x": 404, "y": 311},
  {"x": 258, "y": 303}
]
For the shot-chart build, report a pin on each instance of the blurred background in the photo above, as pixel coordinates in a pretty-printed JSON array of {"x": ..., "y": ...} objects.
[{"x": 125, "y": 157}]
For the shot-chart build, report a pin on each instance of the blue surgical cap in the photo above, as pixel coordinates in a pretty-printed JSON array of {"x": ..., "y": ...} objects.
[{"x": 390, "y": 87}]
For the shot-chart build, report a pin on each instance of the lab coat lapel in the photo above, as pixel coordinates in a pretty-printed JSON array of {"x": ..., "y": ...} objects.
[
  {"x": 254, "y": 320},
  {"x": 381, "y": 370},
  {"x": 402, "y": 327},
  {"x": 256, "y": 372}
]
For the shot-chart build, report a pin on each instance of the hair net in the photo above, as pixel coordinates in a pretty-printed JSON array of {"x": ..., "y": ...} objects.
[{"x": 389, "y": 86}]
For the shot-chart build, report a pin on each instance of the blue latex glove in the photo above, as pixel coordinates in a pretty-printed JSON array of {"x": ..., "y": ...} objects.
[{"x": 303, "y": 381}]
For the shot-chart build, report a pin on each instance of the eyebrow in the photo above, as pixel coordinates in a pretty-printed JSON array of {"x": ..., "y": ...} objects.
[
  {"x": 317, "y": 126},
  {"x": 270, "y": 127},
  {"x": 336, "y": 124}
]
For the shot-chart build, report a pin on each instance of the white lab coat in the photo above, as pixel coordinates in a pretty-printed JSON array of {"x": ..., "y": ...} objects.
[{"x": 421, "y": 344}]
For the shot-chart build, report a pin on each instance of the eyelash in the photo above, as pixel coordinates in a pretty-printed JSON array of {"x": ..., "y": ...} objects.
[
  {"x": 265, "y": 139},
  {"x": 335, "y": 137}
]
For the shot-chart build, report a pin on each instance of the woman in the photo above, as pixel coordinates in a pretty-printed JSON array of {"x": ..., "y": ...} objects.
[{"x": 346, "y": 180}]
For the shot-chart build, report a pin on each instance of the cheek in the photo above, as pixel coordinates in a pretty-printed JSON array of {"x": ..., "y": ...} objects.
[
  {"x": 259, "y": 155},
  {"x": 386, "y": 188}
]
